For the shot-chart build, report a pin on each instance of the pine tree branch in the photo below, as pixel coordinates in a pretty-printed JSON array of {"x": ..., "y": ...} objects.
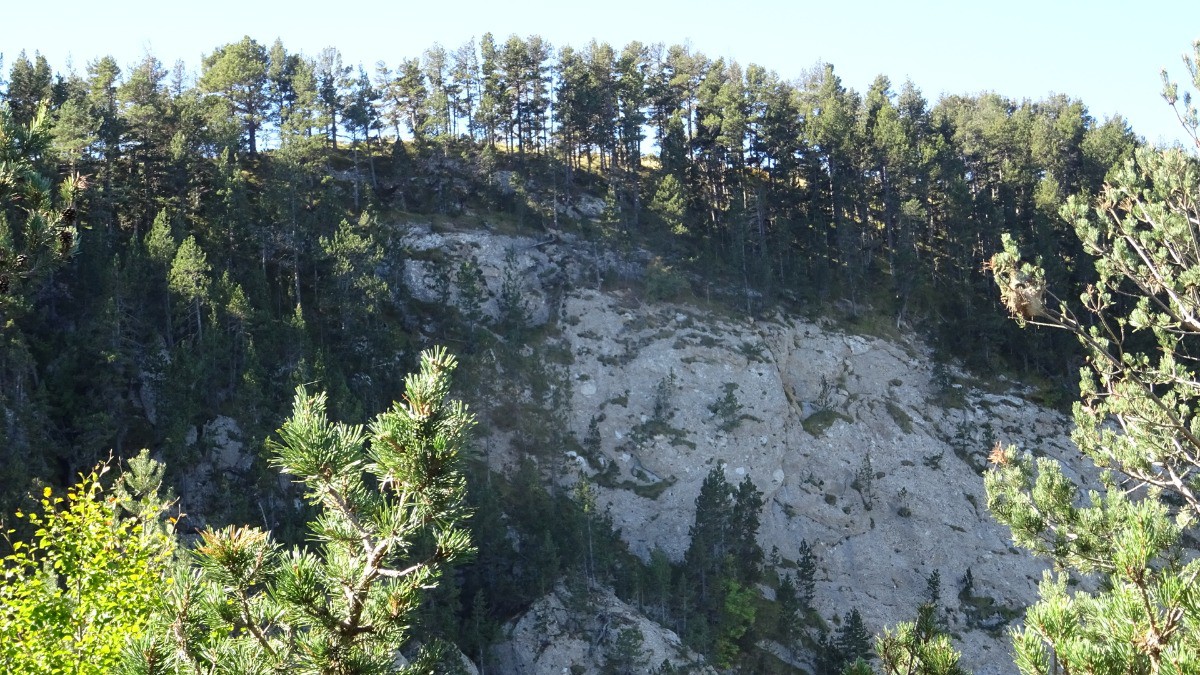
[
  {"x": 400, "y": 574},
  {"x": 254, "y": 628}
]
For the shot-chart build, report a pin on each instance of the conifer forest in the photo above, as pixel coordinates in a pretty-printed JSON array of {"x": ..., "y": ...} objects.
[{"x": 188, "y": 256}]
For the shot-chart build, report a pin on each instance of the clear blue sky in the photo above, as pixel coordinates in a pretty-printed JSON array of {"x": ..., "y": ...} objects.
[{"x": 1106, "y": 53}]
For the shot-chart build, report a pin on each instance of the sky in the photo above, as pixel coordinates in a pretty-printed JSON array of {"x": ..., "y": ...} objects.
[{"x": 1106, "y": 53}]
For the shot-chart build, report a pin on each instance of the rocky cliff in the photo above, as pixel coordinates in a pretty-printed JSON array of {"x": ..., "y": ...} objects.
[{"x": 864, "y": 446}]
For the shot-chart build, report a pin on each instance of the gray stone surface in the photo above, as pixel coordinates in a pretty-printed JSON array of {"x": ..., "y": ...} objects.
[
  {"x": 550, "y": 639},
  {"x": 815, "y": 403}
]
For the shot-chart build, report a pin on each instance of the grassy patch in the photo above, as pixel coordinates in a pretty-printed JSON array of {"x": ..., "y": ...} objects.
[
  {"x": 434, "y": 255},
  {"x": 977, "y": 465},
  {"x": 863, "y": 320},
  {"x": 610, "y": 478},
  {"x": 557, "y": 353},
  {"x": 819, "y": 422},
  {"x": 651, "y": 491},
  {"x": 984, "y": 612},
  {"x": 902, "y": 419},
  {"x": 664, "y": 283},
  {"x": 654, "y": 427},
  {"x": 753, "y": 352}
]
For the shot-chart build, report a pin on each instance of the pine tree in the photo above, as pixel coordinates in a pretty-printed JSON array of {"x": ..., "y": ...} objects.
[
  {"x": 806, "y": 571},
  {"x": 472, "y": 294},
  {"x": 627, "y": 656},
  {"x": 845, "y": 651},
  {"x": 737, "y": 618},
  {"x": 744, "y": 524},
  {"x": 920, "y": 647},
  {"x": 1136, "y": 419},
  {"x": 670, "y": 204},
  {"x": 391, "y": 508},
  {"x": 238, "y": 72},
  {"x": 514, "y": 316},
  {"x": 29, "y": 87},
  {"x": 659, "y": 582},
  {"x": 789, "y": 609},
  {"x": 723, "y": 562},
  {"x": 853, "y": 640},
  {"x": 37, "y": 231},
  {"x": 704, "y": 560},
  {"x": 190, "y": 279}
]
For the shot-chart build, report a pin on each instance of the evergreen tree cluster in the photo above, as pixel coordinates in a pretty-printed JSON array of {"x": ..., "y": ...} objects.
[
  {"x": 231, "y": 233},
  {"x": 178, "y": 245}
]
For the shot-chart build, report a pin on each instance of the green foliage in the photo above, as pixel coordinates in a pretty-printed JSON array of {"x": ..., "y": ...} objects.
[
  {"x": 819, "y": 422},
  {"x": 627, "y": 656},
  {"x": 37, "y": 228},
  {"x": 662, "y": 405},
  {"x": 86, "y": 585},
  {"x": 664, "y": 283},
  {"x": 853, "y": 641},
  {"x": 864, "y": 482},
  {"x": 787, "y": 624},
  {"x": 722, "y": 564},
  {"x": 238, "y": 71},
  {"x": 900, "y": 417},
  {"x": 670, "y": 204},
  {"x": 841, "y": 652},
  {"x": 727, "y": 409},
  {"x": 532, "y": 540},
  {"x": 472, "y": 293},
  {"x": 391, "y": 509},
  {"x": 514, "y": 317},
  {"x": 806, "y": 569},
  {"x": 357, "y": 268},
  {"x": 210, "y": 280},
  {"x": 858, "y": 667},
  {"x": 1140, "y": 334},
  {"x": 752, "y": 198},
  {"x": 160, "y": 243},
  {"x": 933, "y": 587},
  {"x": 1187, "y": 114},
  {"x": 737, "y": 617},
  {"x": 190, "y": 278},
  {"x": 918, "y": 648}
]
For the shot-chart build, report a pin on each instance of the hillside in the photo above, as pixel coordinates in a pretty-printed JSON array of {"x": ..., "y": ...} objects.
[
  {"x": 866, "y": 447},
  {"x": 730, "y": 336}
]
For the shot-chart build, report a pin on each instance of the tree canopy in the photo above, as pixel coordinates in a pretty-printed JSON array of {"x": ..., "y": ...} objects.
[
  {"x": 1138, "y": 419},
  {"x": 390, "y": 505},
  {"x": 178, "y": 246}
]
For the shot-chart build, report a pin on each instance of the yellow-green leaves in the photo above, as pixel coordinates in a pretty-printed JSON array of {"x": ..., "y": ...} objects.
[{"x": 84, "y": 586}]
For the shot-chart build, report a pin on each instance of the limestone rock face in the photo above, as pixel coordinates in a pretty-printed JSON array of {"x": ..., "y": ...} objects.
[
  {"x": 223, "y": 452},
  {"x": 543, "y": 267},
  {"x": 431, "y": 272},
  {"x": 224, "y": 434},
  {"x": 550, "y": 639},
  {"x": 862, "y": 445}
]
